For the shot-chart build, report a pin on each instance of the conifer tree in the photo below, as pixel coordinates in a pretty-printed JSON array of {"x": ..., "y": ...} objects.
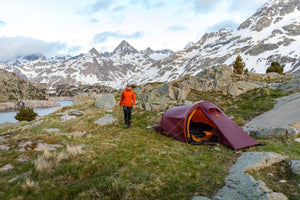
[
  {"x": 275, "y": 67},
  {"x": 238, "y": 65}
]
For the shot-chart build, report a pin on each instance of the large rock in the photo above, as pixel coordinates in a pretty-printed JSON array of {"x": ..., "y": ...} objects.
[
  {"x": 295, "y": 166},
  {"x": 81, "y": 98},
  {"x": 106, "y": 120},
  {"x": 106, "y": 102},
  {"x": 240, "y": 185},
  {"x": 271, "y": 124},
  {"x": 283, "y": 132},
  {"x": 292, "y": 85}
]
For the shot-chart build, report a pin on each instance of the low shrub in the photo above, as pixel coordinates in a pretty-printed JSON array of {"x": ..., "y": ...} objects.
[{"x": 26, "y": 114}]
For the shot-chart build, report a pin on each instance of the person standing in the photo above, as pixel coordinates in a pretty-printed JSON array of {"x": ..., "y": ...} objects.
[{"x": 128, "y": 101}]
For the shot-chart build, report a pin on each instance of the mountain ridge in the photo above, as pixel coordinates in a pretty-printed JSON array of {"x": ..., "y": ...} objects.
[{"x": 270, "y": 34}]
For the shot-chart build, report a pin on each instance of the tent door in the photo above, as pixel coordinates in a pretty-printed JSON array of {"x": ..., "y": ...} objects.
[{"x": 199, "y": 127}]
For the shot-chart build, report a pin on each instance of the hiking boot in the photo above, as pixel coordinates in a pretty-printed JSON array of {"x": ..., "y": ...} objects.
[{"x": 126, "y": 126}]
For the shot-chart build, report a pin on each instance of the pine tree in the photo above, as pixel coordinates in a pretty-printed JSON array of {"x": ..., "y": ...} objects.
[
  {"x": 275, "y": 67},
  {"x": 238, "y": 65}
]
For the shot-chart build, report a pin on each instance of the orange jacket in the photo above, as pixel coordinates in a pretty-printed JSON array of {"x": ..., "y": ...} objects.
[{"x": 127, "y": 98}]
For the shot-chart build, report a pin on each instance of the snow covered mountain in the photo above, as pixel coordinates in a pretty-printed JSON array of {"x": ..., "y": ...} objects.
[
  {"x": 271, "y": 34},
  {"x": 110, "y": 69}
]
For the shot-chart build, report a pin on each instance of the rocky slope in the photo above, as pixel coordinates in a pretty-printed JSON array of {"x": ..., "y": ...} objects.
[{"x": 13, "y": 88}]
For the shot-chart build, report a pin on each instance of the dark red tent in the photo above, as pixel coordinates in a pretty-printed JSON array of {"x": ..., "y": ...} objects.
[{"x": 176, "y": 122}]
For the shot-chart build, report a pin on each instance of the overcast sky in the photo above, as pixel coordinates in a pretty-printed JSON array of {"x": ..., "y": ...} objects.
[{"x": 54, "y": 27}]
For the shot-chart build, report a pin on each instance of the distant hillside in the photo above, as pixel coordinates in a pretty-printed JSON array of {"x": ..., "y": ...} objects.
[{"x": 13, "y": 88}]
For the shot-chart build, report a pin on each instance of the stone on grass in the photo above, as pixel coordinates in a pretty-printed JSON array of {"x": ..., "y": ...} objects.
[
  {"x": 19, "y": 176},
  {"x": 6, "y": 168},
  {"x": 4, "y": 147},
  {"x": 106, "y": 102},
  {"x": 295, "y": 166},
  {"x": 106, "y": 120},
  {"x": 49, "y": 147},
  {"x": 23, "y": 158},
  {"x": 65, "y": 118},
  {"x": 51, "y": 130},
  {"x": 78, "y": 133}
]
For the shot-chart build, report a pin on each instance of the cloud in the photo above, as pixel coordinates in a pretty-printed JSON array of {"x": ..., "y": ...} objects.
[
  {"x": 102, "y": 37},
  {"x": 231, "y": 24},
  {"x": 98, "y": 6},
  {"x": 176, "y": 28},
  {"x": 238, "y": 5},
  {"x": 148, "y": 4},
  {"x": 204, "y": 6},
  {"x": 12, "y": 47},
  {"x": 2, "y": 23},
  {"x": 93, "y": 20}
]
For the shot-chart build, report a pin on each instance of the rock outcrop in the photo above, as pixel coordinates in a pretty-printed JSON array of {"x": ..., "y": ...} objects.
[
  {"x": 240, "y": 185},
  {"x": 271, "y": 124},
  {"x": 219, "y": 79}
]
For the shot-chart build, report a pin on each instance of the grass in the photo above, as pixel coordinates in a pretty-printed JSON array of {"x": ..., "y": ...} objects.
[
  {"x": 280, "y": 178},
  {"x": 111, "y": 162}
]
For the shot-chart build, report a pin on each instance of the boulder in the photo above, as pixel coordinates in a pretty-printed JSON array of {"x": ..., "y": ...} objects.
[
  {"x": 106, "y": 102},
  {"x": 292, "y": 85},
  {"x": 270, "y": 123},
  {"x": 277, "y": 132},
  {"x": 295, "y": 166},
  {"x": 241, "y": 87},
  {"x": 81, "y": 98},
  {"x": 240, "y": 185},
  {"x": 106, "y": 120}
]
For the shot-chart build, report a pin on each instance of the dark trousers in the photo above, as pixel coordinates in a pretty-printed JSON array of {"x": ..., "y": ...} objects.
[{"x": 127, "y": 114}]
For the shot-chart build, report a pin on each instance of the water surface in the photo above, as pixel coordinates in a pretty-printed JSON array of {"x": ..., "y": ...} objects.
[{"x": 10, "y": 116}]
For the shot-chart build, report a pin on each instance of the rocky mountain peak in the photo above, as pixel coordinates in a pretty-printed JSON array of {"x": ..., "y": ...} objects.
[
  {"x": 148, "y": 51},
  {"x": 271, "y": 12},
  {"x": 33, "y": 57},
  {"x": 124, "y": 48},
  {"x": 94, "y": 52}
]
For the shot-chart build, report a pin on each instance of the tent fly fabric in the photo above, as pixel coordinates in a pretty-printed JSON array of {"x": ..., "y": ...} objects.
[{"x": 202, "y": 123}]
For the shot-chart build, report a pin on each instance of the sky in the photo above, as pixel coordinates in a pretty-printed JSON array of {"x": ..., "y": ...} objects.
[{"x": 71, "y": 27}]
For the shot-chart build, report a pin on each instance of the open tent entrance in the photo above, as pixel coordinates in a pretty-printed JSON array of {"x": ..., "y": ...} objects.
[{"x": 200, "y": 130}]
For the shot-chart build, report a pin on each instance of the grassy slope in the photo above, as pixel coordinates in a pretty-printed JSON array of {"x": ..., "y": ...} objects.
[{"x": 115, "y": 163}]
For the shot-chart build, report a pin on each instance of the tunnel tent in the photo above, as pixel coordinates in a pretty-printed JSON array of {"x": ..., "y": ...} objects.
[{"x": 202, "y": 123}]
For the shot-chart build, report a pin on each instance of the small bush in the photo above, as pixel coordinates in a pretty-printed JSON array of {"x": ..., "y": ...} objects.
[
  {"x": 26, "y": 114},
  {"x": 275, "y": 67}
]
